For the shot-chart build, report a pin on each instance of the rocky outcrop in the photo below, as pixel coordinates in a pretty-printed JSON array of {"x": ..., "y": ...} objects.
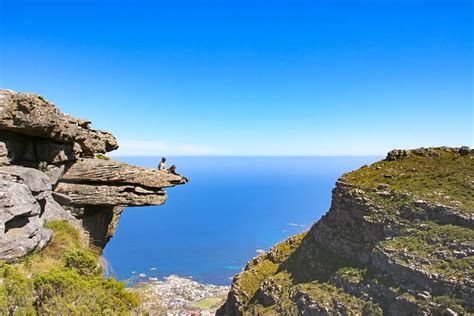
[
  {"x": 40, "y": 132},
  {"x": 397, "y": 154},
  {"x": 98, "y": 190},
  {"x": 110, "y": 183},
  {"x": 397, "y": 240},
  {"x": 49, "y": 171},
  {"x": 25, "y": 202}
]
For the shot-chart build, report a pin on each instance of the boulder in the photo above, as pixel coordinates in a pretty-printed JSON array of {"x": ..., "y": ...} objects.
[
  {"x": 53, "y": 211},
  {"x": 36, "y": 181},
  {"x": 21, "y": 229},
  {"x": 26, "y": 204}
]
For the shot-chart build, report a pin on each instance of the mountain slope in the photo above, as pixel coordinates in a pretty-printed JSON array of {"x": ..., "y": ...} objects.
[{"x": 398, "y": 239}]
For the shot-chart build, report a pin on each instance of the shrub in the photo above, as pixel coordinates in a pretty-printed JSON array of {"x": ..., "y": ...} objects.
[
  {"x": 103, "y": 157},
  {"x": 65, "y": 291},
  {"x": 15, "y": 292},
  {"x": 64, "y": 237},
  {"x": 63, "y": 279},
  {"x": 84, "y": 262},
  {"x": 448, "y": 302}
]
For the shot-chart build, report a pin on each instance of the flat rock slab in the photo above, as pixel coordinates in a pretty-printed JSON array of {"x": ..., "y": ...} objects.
[
  {"x": 93, "y": 181},
  {"x": 94, "y": 170},
  {"x": 35, "y": 180},
  {"x": 110, "y": 195}
]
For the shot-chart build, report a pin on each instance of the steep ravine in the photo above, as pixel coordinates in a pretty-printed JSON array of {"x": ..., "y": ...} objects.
[{"x": 397, "y": 240}]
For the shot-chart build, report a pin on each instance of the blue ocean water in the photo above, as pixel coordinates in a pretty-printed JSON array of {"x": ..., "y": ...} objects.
[{"x": 231, "y": 208}]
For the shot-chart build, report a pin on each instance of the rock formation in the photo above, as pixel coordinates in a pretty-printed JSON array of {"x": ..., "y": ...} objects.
[
  {"x": 397, "y": 240},
  {"x": 46, "y": 133},
  {"x": 49, "y": 171},
  {"x": 22, "y": 191}
]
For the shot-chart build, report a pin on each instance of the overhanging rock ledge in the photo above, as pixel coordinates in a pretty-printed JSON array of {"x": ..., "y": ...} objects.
[{"x": 49, "y": 171}]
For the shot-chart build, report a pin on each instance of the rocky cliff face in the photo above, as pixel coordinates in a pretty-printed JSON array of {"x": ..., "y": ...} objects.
[
  {"x": 398, "y": 240},
  {"x": 49, "y": 171}
]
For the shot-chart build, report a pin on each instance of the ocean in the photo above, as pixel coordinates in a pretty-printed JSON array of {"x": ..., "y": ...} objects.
[{"x": 231, "y": 209}]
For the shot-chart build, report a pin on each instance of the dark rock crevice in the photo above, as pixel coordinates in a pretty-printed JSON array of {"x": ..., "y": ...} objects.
[{"x": 16, "y": 222}]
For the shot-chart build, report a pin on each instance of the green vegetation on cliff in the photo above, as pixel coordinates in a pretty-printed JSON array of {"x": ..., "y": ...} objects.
[
  {"x": 63, "y": 279},
  {"x": 435, "y": 175},
  {"x": 398, "y": 239},
  {"x": 103, "y": 157},
  {"x": 437, "y": 248},
  {"x": 267, "y": 264}
]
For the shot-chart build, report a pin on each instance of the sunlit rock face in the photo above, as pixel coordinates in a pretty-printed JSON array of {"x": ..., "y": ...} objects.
[
  {"x": 49, "y": 171},
  {"x": 397, "y": 240},
  {"x": 50, "y": 131}
]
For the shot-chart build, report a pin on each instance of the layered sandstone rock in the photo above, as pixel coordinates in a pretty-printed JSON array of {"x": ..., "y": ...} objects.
[
  {"x": 48, "y": 171},
  {"x": 40, "y": 132},
  {"x": 397, "y": 240},
  {"x": 110, "y": 183}
]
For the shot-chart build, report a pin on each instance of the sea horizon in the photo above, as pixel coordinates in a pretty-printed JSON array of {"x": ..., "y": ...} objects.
[{"x": 232, "y": 209}]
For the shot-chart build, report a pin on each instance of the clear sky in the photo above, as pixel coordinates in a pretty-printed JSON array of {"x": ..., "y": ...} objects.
[{"x": 250, "y": 77}]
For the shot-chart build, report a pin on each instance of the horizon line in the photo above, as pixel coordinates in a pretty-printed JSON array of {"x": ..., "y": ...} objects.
[{"x": 250, "y": 156}]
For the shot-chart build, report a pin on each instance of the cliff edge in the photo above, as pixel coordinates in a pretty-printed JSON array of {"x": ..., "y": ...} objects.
[
  {"x": 52, "y": 168},
  {"x": 397, "y": 240}
]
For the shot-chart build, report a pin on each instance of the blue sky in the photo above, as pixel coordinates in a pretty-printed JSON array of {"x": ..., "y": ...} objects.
[{"x": 250, "y": 77}]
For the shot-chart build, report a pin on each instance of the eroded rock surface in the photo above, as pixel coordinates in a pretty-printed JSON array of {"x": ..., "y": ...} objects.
[
  {"x": 4, "y": 160},
  {"x": 61, "y": 136},
  {"x": 48, "y": 171},
  {"x": 109, "y": 171},
  {"x": 110, "y": 183},
  {"x": 23, "y": 192}
]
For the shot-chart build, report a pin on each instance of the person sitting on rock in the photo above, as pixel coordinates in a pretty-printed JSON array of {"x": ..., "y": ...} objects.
[
  {"x": 161, "y": 165},
  {"x": 172, "y": 170}
]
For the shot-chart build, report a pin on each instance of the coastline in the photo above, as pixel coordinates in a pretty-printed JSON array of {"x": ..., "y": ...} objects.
[{"x": 176, "y": 295}]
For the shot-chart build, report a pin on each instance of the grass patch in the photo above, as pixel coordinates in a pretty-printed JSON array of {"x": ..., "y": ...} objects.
[
  {"x": 267, "y": 265},
  {"x": 325, "y": 294},
  {"x": 209, "y": 303},
  {"x": 434, "y": 243},
  {"x": 446, "y": 179},
  {"x": 258, "y": 309},
  {"x": 352, "y": 274},
  {"x": 251, "y": 279},
  {"x": 448, "y": 302}
]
